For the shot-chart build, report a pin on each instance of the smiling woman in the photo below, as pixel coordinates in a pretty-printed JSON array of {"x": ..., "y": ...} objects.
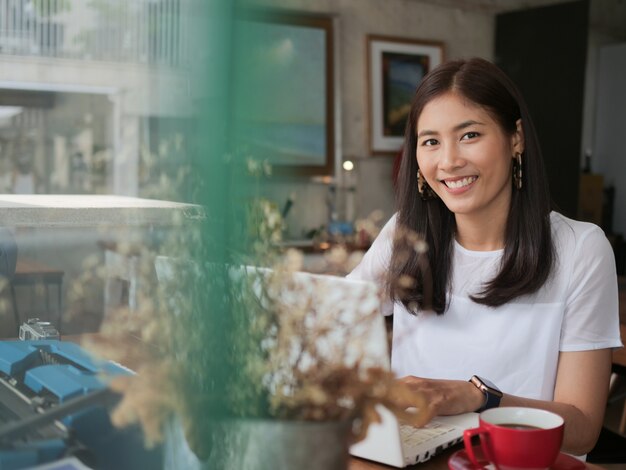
[
  {"x": 468, "y": 119},
  {"x": 523, "y": 298},
  {"x": 466, "y": 158}
]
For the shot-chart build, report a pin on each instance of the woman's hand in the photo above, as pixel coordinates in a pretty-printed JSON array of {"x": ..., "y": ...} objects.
[
  {"x": 580, "y": 394},
  {"x": 446, "y": 397}
]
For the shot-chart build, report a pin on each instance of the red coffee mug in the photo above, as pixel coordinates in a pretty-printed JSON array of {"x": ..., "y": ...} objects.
[{"x": 517, "y": 438}]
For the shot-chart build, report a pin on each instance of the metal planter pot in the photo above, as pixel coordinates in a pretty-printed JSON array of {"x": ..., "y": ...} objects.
[{"x": 263, "y": 445}]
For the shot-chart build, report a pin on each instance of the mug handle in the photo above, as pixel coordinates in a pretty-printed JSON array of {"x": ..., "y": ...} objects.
[{"x": 467, "y": 441}]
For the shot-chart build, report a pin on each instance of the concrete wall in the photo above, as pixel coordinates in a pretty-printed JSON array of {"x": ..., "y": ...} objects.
[{"x": 464, "y": 34}]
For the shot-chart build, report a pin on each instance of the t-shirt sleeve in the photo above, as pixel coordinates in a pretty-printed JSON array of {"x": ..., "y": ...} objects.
[
  {"x": 591, "y": 318},
  {"x": 375, "y": 263}
]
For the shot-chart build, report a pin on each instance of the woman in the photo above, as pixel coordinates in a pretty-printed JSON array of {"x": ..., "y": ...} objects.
[{"x": 523, "y": 298}]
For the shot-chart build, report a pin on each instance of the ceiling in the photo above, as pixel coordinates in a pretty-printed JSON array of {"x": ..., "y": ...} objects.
[
  {"x": 605, "y": 16},
  {"x": 491, "y": 6}
]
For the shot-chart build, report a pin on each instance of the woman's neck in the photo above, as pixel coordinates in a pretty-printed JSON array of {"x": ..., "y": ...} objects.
[{"x": 478, "y": 233}]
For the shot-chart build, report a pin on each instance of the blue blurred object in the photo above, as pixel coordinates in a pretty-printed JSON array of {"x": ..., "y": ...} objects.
[
  {"x": 340, "y": 228},
  {"x": 38, "y": 376}
]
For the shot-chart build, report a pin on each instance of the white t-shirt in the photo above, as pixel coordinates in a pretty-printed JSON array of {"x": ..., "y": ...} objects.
[{"x": 516, "y": 345}]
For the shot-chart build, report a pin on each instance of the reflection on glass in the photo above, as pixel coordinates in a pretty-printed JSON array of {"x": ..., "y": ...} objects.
[{"x": 95, "y": 102}]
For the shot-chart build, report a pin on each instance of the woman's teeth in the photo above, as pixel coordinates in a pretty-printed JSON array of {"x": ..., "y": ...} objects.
[{"x": 460, "y": 183}]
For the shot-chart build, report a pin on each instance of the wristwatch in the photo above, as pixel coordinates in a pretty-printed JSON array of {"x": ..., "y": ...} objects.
[{"x": 493, "y": 395}]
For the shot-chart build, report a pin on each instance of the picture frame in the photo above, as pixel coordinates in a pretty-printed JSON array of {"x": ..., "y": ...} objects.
[
  {"x": 297, "y": 136},
  {"x": 395, "y": 68}
]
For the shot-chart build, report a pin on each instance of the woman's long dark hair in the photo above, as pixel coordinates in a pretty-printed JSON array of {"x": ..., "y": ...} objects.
[{"x": 528, "y": 253}]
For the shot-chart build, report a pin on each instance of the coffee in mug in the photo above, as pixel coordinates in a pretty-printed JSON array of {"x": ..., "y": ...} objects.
[
  {"x": 518, "y": 426},
  {"x": 515, "y": 438}
]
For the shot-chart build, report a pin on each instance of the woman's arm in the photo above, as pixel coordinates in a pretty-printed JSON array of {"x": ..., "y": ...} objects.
[{"x": 580, "y": 394}]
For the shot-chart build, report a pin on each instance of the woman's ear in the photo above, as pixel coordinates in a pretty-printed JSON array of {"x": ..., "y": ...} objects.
[{"x": 517, "y": 140}]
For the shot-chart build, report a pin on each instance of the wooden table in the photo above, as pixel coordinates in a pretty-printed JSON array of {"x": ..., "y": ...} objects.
[{"x": 439, "y": 462}]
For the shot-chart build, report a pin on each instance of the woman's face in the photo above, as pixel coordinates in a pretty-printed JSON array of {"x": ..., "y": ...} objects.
[{"x": 466, "y": 157}]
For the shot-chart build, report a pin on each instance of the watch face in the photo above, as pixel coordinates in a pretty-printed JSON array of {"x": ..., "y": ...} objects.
[{"x": 485, "y": 383}]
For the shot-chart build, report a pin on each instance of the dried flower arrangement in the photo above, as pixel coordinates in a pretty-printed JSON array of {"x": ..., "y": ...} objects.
[
  {"x": 314, "y": 335},
  {"x": 207, "y": 346}
]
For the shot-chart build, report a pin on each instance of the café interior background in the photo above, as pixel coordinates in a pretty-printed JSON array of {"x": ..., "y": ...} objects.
[{"x": 93, "y": 94}]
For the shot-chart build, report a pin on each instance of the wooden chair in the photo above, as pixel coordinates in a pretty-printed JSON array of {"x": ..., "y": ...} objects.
[{"x": 30, "y": 273}]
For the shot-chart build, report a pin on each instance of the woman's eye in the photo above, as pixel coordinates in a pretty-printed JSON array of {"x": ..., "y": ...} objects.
[
  {"x": 430, "y": 142},
  {"x": 470, "y": 135}
]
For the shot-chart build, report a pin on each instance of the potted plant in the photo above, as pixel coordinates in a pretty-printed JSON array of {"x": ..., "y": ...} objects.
[{"x": 232, "y": 376}]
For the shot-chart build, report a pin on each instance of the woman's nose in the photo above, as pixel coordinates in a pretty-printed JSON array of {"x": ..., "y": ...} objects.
[{"x": 450, "y": 158}]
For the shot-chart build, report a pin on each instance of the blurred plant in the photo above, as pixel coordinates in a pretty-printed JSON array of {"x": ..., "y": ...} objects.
[
  {"x": 312, "y": 363},
  {"x": 164, "y": 172},
  {"x": 266, "y": 223},
  {"x": 214, "y": 339}
]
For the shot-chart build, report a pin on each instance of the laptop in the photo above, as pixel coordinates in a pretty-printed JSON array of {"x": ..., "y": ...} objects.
[
  {"x": 401, "y": 445},
  {"x": 345, "y": 303}
]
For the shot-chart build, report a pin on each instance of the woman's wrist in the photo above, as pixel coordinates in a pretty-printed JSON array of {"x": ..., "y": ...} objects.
[{"x": 476, "y": 398}]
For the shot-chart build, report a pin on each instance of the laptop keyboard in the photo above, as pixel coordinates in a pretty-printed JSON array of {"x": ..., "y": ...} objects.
[{"x": 413, "y": 437}]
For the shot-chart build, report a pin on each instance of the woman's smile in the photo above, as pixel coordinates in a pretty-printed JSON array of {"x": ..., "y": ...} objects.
[{"x": 459, "y": 185}]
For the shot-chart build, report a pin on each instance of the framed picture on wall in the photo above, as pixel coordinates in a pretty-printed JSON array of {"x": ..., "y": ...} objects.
[
  {"x": 395, "y": 68},
  {"x": 286, "y": 91}
]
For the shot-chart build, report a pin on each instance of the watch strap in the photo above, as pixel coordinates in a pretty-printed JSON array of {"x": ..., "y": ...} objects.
[
  {"x": 493, "y": 395},
  {"x": 491, "y": 401}
]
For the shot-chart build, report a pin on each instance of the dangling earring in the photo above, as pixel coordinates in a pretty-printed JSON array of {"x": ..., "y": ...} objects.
[
  {"x": 426, "y": 192},
  {"x": 517, "y": 171}
]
